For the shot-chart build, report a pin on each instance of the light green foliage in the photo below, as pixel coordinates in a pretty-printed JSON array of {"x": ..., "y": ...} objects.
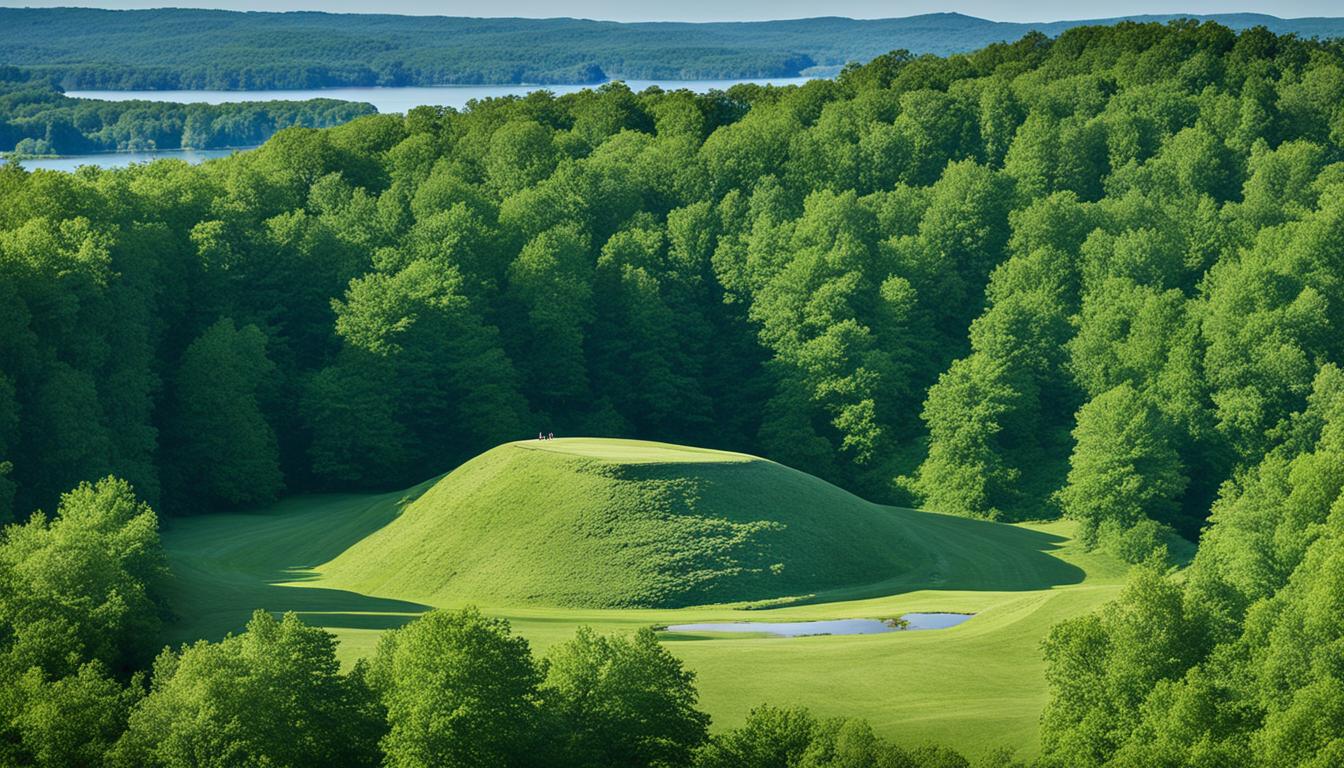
[
  {"x": 1048, "y": 155},
  {"x": 1263, "y": 523},
  {"x": 520, "y": 155},
  {"x": 961, "y": 236},
  {"x": 965, "y": 472},
  {"x": 1230, "y": 665},
  {"x": 1101, "y": 667},
  {"x": 1124, "y": 470},
  {"x": 773, "y": 737},
  {"x": 80, "y": 594},
  {"x": 460, "y": 691},
  {"x": 273, "y": 695},
  {"x": 70, "y": 722},
  {"x": 84, "y": 585},
  {"x": 1267, "y": 327}
]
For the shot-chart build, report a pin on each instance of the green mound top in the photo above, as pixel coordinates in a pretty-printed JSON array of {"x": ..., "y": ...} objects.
[
  {"x": 624, "y": 523},
  {"x": 634, "y": 451}
]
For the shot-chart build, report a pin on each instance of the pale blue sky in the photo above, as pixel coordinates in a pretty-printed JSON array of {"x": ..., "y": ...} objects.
[{"x": 735, "y": 10}]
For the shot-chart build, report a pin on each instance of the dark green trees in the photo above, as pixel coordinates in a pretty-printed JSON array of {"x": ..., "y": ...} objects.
[
  {"x": 1095, "y": 276},
  {"x": 223, "y": 448},
  {"x": 420, "y": 356},
  {"x": 460, "y": 689},
  {"x": 996, "y": 418}
]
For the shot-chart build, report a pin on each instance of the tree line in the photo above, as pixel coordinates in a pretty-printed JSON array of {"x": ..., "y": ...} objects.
[
  {"x": 1094, "y": 276},
  {"x": 36, "y": 118}
]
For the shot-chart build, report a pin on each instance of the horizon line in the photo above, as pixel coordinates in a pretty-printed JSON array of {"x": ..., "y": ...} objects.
[{"x": 1096, "y": 19}]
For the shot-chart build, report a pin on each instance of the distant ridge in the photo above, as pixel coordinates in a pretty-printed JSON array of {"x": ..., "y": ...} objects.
[{"x": 209, "y": 49}]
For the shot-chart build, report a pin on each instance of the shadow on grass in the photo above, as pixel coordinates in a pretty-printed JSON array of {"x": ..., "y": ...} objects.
[
  {"x": 964, "y": 554},
  {"x": 225, "y": 567},
  {"x": 984, "y": 555}
]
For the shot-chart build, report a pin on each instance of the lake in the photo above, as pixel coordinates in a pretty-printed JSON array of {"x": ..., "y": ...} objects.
[
  {"x": 386, "y": 100},
  {"x": 402, "y": 99},
  {"x": 122, "y": 159}
]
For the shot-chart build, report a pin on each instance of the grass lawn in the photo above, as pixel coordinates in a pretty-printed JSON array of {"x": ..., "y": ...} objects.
[{"x": 976, "y": 685}]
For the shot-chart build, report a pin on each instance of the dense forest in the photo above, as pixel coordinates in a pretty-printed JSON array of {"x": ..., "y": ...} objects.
[
  {"x": 1095, "y": 276},
  {"x": 37, "y": 119},
  {"x": 86, "y": 48}
]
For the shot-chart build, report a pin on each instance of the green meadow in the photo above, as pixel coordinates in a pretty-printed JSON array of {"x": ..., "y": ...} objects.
[{"x": 518, "y": 531}]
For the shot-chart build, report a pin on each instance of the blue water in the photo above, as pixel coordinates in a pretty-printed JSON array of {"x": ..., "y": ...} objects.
[
  {"x": 122, "y": 159},
  {"x": 935, "y": 620},
  {"x": 834, "y": 627},
  {"x": 402, "y": 99},
  {"x": 387, "y": 100}
]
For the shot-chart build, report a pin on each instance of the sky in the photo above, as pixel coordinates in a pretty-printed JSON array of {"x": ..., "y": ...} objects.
[{"x": 741, "y": 10}]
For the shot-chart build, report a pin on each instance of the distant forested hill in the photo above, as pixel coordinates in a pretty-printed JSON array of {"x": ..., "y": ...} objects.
[{"x": 180, "y": 48}]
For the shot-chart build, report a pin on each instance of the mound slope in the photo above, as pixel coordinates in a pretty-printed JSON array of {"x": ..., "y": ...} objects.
[{"x": 620, "y": 523}]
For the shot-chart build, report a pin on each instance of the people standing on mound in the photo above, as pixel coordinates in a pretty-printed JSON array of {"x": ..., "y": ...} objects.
[{"x": 546, "y": 436}]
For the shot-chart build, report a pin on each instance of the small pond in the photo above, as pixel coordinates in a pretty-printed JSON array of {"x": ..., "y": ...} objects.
[{"x": 908, "y": 621}]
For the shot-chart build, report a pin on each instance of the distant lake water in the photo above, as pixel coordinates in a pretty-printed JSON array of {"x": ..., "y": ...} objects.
[
  {"x": 401, "y": 99},
  {"x": 387, "y": 100},
  {"x": 122, "y": 159}
]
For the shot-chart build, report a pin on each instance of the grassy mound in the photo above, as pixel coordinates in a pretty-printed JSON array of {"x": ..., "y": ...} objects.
[
  {"x": 623, "y": 523},
  {"x": 335, "y": 560}
]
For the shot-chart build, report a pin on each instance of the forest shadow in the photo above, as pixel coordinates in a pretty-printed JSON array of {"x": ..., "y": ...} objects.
[
  {"x": 225, "y": 567},
  {"x": 964, "y": 554}
]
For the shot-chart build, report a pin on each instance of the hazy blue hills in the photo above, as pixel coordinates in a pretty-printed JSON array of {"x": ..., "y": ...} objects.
[{"x": 199, "y": 49}]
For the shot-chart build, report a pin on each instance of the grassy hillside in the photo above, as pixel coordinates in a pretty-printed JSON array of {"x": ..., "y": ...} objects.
[
  {"x": 347, "y": 562},
  {"x": 93, "y": 48},
  {"x": 606, "y": 523}
]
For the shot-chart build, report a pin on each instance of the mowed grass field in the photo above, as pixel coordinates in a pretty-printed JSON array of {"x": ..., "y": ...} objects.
[{"x": 360, "y": 564}]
